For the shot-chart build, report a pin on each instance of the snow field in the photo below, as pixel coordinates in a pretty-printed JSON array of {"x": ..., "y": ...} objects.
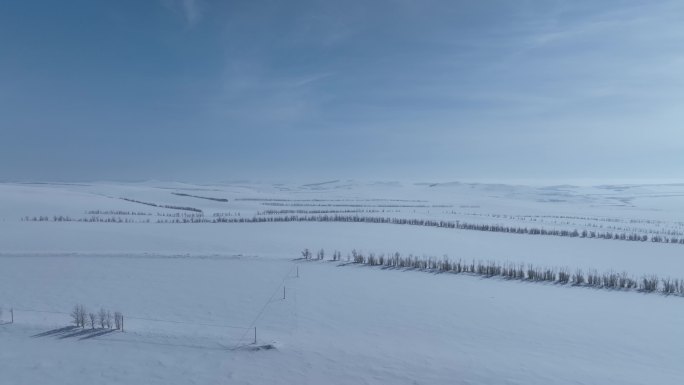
[{"x": 340, "y": 324}]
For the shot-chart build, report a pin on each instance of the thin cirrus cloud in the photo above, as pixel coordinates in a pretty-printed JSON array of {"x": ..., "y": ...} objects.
[
  {"x": 190, "y": 10},
  {"x": 388, "y": 89}
]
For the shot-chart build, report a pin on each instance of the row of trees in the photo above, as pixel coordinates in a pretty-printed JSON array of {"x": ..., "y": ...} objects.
[
  {"x": 461, "y": 226},
  {"x": 349, "y": 211},
  {"x": 172, "y": 207},
  {"x": 181, "y": 215},
  {"x": 529, "y": 272},
  {"x": 657, "y": 227},
  {"x": 635, "y": 237},
  {"x": 91, "y": 219},
  {"x": 103, "y": 319},
  {"x": 352, "y": 205},
  {"x": 200, "y": 197},
  {"x": 533, "y": 217},
  {"x": 115, "y": 212},
  {"x": 102, "y": 218},
  {"x": 226, "y": 214},
  {"x": 328, "y": 200}
]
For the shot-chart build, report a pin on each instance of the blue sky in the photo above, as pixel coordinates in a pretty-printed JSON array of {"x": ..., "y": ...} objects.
[{"x": 204, "y": 90}]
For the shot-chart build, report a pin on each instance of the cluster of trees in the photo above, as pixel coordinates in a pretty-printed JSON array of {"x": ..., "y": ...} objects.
[
  {"x": 103, "y": 319},
  {"x": 200, "y": 197},
  {"x": 532, "y": 273},
  {"x": 320, "y": 255},
  {"x": 172, "y": 207}
]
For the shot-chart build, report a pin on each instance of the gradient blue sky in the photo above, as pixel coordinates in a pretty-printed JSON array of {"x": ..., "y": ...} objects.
[{"x": 204, "y": 90}]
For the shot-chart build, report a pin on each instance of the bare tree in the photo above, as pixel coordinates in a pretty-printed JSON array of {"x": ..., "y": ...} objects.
[
  {"x": 74, "y": 316},
  {"x": 91, "y": 320},
  {"x": 108, "y": 319},
  {"x": 306, "y": 253},
  {"x": 78, "y": 315},
  {"x": 82, "y": 314},
  {"x": 102, "y": 317},
  {"x": 118, "y": 317}
]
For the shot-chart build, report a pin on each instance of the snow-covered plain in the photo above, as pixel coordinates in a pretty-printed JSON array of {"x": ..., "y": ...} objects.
[{"x": 193, "y": 292}]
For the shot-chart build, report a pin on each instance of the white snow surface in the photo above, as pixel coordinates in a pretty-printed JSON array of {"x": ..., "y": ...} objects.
[{"x": 193, "y": 292}]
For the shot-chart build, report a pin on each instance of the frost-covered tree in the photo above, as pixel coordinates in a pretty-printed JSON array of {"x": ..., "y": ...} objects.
[
  {"x": 102, "y": 317},
  {"x": 118, "y": 318},
  {"x": 92, "y": 320},
  {"x": 78, "y": 315},
  {"x": 108, "y": 319}
]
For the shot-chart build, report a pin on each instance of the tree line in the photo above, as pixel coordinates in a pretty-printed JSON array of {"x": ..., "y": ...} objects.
[
  {"x": 558, "y": 275},
  {"x": 498, "y": 228},
  {"x": 172, "y": 207},
  {"x": 462, "y": 226},
  {"x": 115, "y": 212},
  {"x": 200, "y": 197},
  {"x": 348, "y": 211},
  {"x": 349, "y": 205}
]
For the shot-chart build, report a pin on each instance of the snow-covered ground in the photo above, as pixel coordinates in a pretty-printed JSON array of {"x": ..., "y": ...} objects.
[{"x": 193, "y": 292}]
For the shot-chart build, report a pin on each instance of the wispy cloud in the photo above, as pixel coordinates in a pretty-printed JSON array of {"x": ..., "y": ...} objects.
[{"x": 190, "y": 10}]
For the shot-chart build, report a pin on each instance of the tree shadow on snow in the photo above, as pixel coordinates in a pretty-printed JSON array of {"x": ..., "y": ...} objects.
[
  {"x": 80, "y": 333},
  {"x": 55, "y": 332},
  {"x": 74, "y": 332},
  {"x": 97, "y": 333}
]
